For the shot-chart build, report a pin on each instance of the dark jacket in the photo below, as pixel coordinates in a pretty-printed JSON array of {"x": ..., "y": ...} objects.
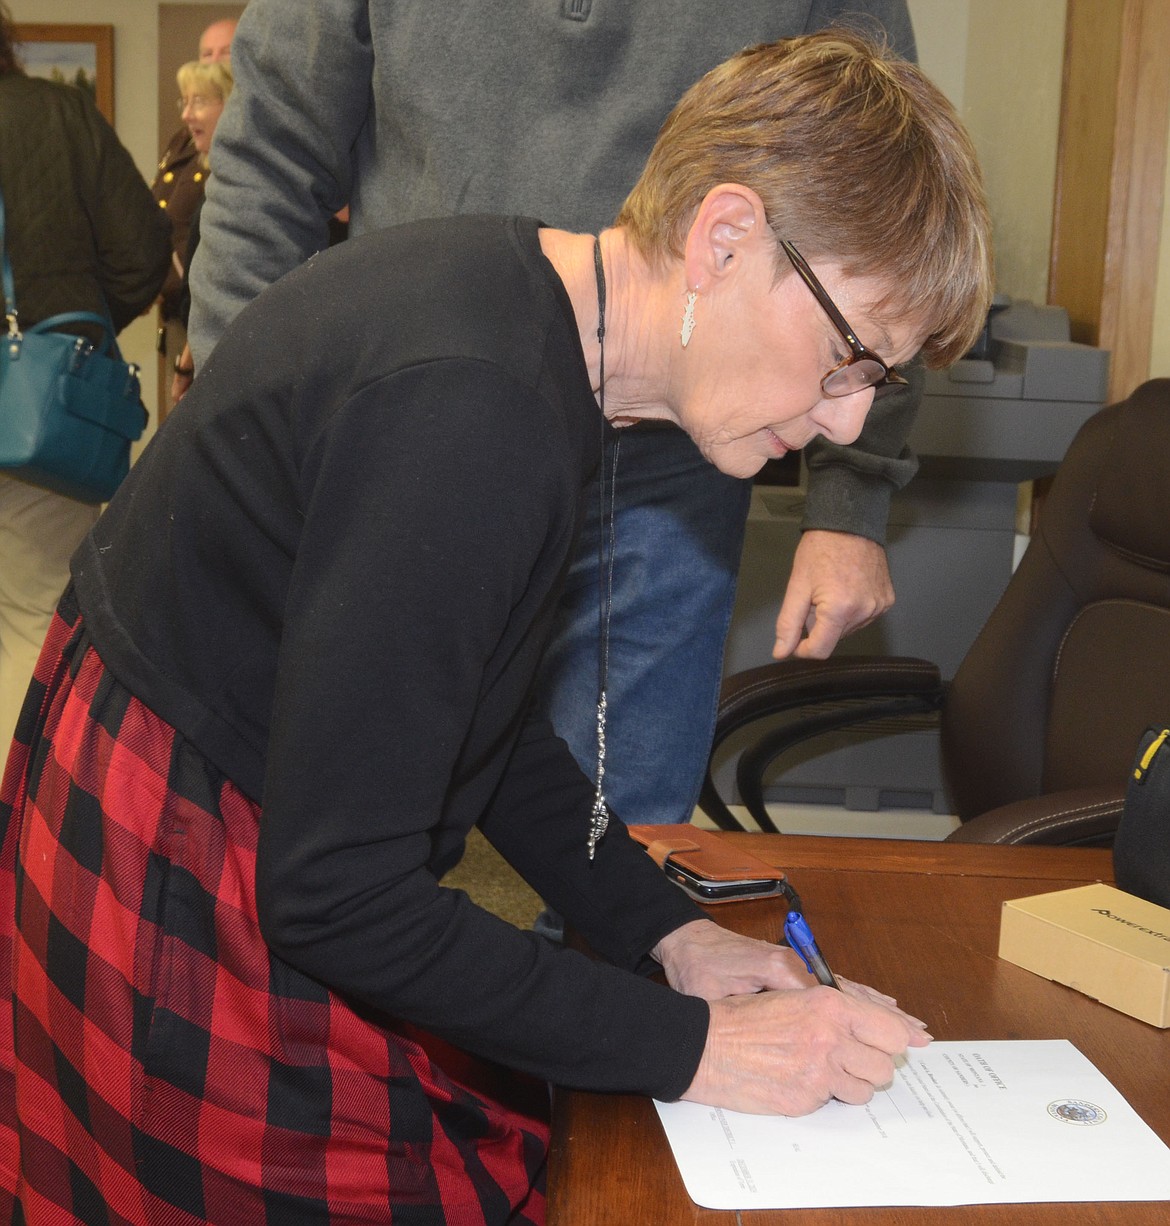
[
  {"x": 81, "y": 222},
  {"x": 178, "y": 188}
]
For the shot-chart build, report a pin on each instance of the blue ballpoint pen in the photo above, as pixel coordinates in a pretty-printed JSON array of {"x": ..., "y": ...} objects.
[{"x": 799, "y": 936}]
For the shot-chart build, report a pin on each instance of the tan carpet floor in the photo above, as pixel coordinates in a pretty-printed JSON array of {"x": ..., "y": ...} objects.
[{"x": 492, "y": 883}]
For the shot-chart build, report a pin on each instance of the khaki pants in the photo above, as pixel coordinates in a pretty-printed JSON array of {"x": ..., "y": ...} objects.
[{"x": 38, "y": 533}]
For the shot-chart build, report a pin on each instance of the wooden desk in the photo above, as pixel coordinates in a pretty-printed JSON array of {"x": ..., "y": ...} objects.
[{"x": 920, "y": 921}]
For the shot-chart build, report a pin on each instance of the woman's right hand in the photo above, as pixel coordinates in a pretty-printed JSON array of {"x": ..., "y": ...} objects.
[{"x": 789, "y": 1052}]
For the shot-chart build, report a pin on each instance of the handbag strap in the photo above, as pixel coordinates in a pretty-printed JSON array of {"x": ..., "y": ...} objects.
[
  {"x": 107, "y": 344},
  {"x": 9, "y": 282},
  {"x": 80, "y": 317}
]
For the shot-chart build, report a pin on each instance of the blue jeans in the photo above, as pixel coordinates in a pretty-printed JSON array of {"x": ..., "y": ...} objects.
[{"x": 679, "y": 533}]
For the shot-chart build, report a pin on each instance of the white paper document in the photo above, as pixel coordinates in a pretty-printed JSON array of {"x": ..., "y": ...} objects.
[{"x": 962, "y": 1124}]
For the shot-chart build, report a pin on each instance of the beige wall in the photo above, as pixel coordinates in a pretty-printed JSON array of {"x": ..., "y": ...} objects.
[
  {"x": 1014, "y": 62},
  {"x": 998, "y": 60}
]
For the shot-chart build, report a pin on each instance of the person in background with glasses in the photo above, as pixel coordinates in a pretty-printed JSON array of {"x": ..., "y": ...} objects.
[
  {"x": 204, "y": 88},
  {"x": 178, "y": 191}
]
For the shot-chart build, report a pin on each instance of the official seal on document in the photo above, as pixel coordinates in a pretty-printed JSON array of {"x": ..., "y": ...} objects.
[{"x": 1076, "y": 1111}]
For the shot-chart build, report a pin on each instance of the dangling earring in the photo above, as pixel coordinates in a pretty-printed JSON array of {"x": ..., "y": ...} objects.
[{"x": 688, "y": 323}]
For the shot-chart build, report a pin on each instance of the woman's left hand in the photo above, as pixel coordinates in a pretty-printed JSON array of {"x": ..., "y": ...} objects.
[{"x": 703, "y": 959}]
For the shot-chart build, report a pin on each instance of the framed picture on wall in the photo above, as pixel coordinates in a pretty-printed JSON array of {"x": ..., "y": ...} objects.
[{"x": 74, "y": 55}]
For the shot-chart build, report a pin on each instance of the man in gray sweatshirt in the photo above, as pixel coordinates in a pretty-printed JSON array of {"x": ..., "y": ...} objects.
[{"x": 403, "y": 109}]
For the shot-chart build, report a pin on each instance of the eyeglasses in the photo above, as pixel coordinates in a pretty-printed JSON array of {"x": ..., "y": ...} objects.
[
  {"x": 197, "y": 103},
  {"x": 862, "y": 368}
]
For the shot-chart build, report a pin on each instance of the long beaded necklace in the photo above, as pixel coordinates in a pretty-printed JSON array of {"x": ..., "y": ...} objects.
[{"x": 599, "y": 816}]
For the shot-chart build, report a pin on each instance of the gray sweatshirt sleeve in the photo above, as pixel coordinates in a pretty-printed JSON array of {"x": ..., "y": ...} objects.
[
  {"x": 849, "y": 488},
  {"x": 282, "y": 163}
]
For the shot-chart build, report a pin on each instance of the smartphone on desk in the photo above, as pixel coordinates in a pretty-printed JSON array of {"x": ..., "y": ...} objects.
[
  {"x": 708, "y": 889},
  {"x": 710, "y": 868}
]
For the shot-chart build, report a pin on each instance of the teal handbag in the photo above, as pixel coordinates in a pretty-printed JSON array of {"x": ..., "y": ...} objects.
[{"x": 69, "y": 409}]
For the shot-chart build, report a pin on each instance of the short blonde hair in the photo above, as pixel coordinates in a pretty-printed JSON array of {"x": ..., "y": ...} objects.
[
  {"x": 857, "y": 157},
  {"x": 212, "y": 77}
]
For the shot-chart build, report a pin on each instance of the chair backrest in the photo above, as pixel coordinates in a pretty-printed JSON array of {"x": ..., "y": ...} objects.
[{"x": 1074, "y": 661}]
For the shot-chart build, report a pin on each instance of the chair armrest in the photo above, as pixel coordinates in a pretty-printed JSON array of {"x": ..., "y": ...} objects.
[
  {"x": 1074, "y": 817},
  {"x": 771, "y": 688},
  {"x": 823, "y": 695}
]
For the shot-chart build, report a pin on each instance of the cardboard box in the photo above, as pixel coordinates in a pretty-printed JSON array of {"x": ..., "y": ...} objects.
[{"x": 1094, "y": 938}]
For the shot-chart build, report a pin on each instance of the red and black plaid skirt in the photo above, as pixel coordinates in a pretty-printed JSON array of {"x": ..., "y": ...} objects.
[{"x": 157, "y": 1063}]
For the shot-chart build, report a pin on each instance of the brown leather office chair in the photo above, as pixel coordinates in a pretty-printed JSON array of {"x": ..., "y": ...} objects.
[{"x": 1041, "y": 722}]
